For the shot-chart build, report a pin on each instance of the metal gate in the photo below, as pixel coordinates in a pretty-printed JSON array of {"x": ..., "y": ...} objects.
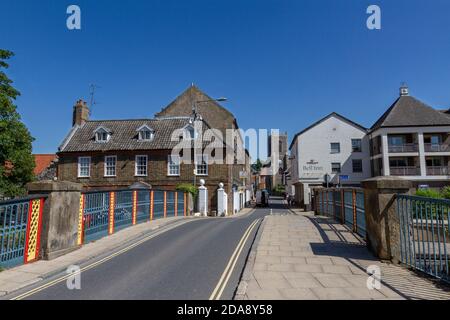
[
  {"x": 424, "y": 234},
  {"x": 20, "y": 230},
  {"x": 104, "y": 212}
]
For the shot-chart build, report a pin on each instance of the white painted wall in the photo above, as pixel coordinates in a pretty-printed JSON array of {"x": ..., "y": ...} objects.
[{"x": 315, "y": 144}]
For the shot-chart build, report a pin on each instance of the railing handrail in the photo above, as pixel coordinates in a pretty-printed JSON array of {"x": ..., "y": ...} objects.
[
  {"x": 358, "y": 189},
  {"x": 127, "y": 189},
  {"x": 413, "y": 147},
  {"x": 420, "y": 198},
  {"x": 442, "y": 147},
  {"x": 23, "y": 199}
]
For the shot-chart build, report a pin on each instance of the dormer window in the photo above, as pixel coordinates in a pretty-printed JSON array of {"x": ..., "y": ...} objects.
[
  {"x": 145, "y": 133},
  {"x": 189, "y": 133},
  {"x": 102, "y": 135}
]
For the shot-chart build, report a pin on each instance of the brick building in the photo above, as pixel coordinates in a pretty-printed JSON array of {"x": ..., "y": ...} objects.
[{"x": 114, "y": 154}]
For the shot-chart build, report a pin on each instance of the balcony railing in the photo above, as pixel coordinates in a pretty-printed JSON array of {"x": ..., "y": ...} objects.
[
  {"x": 405, "y": 171},
  {"x": 437, "y": 147},
  {"x": 438, "y": 171},
  {"x": 407, "y": 147}
]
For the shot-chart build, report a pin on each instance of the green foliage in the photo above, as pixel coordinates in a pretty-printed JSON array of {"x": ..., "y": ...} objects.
[
  {"x": 257, "y": 165},
  {"x": 187, "y": 187},
  {"x": 16, "y": 159},
  {"x": 278, "y": 190},
  {"x": 429, "y": 193},
  {"x": 446, "y": 192}
]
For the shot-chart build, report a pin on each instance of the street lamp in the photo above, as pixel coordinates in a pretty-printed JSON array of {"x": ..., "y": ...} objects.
[{"x": 194, "y": 109}]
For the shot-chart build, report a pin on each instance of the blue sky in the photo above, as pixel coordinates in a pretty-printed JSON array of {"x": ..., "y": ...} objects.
[{"x": 282, "y": 64}]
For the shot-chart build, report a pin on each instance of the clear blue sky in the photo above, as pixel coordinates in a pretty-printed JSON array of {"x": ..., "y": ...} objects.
[{"x": 282, "y": 64}]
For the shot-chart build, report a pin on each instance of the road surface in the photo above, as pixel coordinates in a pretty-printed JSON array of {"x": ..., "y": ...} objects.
[{"x": 202, "y": 259}]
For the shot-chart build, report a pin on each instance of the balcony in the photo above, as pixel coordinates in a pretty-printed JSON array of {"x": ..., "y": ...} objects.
[
  {"x": 437, "y": 147},
  {"x": 438, "y": 171},
  {"x": 402, "y": 148},
  {"x": 405, "y": 171}
]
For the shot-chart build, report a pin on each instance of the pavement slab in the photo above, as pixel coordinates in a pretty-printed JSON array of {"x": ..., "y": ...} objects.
[{"x": 301, "y": 256}]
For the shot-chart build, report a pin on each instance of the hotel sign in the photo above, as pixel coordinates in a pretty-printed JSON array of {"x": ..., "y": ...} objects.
[{"x": 312, "y": 166}]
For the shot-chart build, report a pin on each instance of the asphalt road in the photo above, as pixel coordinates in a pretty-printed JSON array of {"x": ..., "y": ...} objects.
[{"x": 183, "y": 263}]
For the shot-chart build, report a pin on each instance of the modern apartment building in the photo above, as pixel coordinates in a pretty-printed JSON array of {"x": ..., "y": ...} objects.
[{"x": 411, "y": 139}]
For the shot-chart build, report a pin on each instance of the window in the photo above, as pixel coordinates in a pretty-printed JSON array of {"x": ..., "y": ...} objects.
[
  {"x": 357, "y": 165},
  {"x": 356, "y": 145},
  {"x": 102, "y": 135},
  {"x": 173, "y": 165},
  {"x": 201, "y": 165},
  {"x": 434, "y": 162},
  {"x": 84, "y": 167},
  {"x": 396, "y": 140},
  {"x": 398, "y": 162},
  {"x": 335, "y": 147},
  {"x": 145, "y": 133},
  {"x": 141, "y": 166},
  {"x": 189, "y": 133},
  {"x": 110, "y": 166},
  {"x": 336, "y": 167}
]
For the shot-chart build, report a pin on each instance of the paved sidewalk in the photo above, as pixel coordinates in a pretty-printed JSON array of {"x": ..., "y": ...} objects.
[
  {"x": 308, "y": 257},
  {"x": 21, "y": 276}
]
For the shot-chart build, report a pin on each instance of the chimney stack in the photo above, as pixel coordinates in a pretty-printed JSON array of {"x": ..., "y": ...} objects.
[
  {"x": 404, "y": 91},
  {"x": 80, "y": 113}
]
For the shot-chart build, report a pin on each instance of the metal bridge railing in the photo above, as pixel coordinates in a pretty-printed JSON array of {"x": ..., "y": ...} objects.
[
  {"x": 20, "y": 230},
  {"x": 424, "y": 234},
  {"x": 104, "y": 212},
  {"x": 346, "y": 205}
]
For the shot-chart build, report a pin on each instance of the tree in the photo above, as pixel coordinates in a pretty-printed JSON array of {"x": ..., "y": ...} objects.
[
  {"x": 16, "y": 159},
  {"x": 257, "y": 165}
]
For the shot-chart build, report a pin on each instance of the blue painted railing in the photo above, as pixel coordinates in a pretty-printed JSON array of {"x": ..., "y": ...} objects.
[
  {"x": 20, "y": 230},
  {"x": 104, "y": 212},
  {"x": 424, "y": 234},
  {"x": 346, "y": 205}
]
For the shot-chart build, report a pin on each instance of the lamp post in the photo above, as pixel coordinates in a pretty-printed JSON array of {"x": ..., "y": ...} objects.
[{"x": 194, "y": 109}]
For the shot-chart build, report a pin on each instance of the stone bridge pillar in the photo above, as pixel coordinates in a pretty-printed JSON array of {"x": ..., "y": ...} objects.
[
  {"x": 60, "y": 216},
  {"x": 382, "y": 222}
]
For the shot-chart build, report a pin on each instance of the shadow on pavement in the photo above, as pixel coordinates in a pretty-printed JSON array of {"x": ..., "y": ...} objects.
[{"x": 340, "y": 241}]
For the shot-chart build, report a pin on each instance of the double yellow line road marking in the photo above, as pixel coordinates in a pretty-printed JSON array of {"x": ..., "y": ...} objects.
[
  {"x": 221, "y": 285},
  {"x": 95, "y": 264},
  {"x": 217, "y": 293}
]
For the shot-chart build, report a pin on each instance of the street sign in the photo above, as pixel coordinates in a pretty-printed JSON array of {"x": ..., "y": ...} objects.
[{"x": 343, "y": 177}]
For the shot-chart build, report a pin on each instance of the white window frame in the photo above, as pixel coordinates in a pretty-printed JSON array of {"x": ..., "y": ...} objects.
[
  {"x": 171, "y": 165},
  {"x": 186, "y": 132},
  {"x": 99, "y": 133},
  {"x": 143, "y": 133},
  {"x": 88, "y": 167},
  {"x": 136, "y": 173},
  {"x": 204, "y": 158},
  {"x": 360, "y": 145},
  {"x": 331, "y": 147},
  {"x": 106, "y": 166},
  {"x": 340, "y": 168}
]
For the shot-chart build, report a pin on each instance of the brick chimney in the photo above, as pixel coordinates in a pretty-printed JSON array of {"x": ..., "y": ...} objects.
[{"x": 80, "y": 113}]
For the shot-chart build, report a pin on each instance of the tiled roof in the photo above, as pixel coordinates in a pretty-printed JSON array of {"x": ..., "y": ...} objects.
[
  {"x": 407, "y": 111},
  {"x": 42, "y": 162},
  {"x": 124, "y": 135},
  {"x": 333, "y": 114}
]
